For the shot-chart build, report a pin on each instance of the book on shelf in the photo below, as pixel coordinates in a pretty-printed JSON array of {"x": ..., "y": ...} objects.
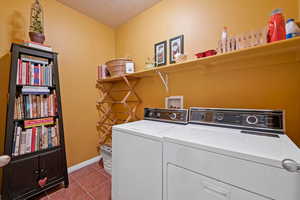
[
  {"x": 38, "y": 122},
  {"x": 37, "y": 45},
  {"x": 30, "y": 73},
  {"x": 34, "y": 59},
  {"x": 35, "y": 90},
  {"x": 35, "y": 106},
  {"x": 35, "y": 139}
]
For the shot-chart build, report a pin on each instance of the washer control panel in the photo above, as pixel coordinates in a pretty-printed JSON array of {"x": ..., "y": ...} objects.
[
  {"x": 167, "y": 115},
  {"x": 268, "y": 120}
]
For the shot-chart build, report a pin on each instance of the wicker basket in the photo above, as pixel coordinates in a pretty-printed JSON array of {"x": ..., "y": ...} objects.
[{"x": 117, "y": 67}]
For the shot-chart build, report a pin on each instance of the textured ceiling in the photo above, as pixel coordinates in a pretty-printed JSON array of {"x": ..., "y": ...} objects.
[{"x": 110, "y": 12}]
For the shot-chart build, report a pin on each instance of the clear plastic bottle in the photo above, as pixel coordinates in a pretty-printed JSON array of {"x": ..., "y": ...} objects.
[
  {"x": 292, "y": 29},
  {"x": 224, "y": 39}
]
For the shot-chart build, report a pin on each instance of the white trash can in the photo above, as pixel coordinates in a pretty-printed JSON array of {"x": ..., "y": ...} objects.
[{"x": 106, "y": 152}]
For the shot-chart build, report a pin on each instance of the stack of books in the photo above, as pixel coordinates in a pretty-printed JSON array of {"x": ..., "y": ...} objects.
[
  {"x": 33, "y": 73},
  {"x": 34, "y": 139},
  {"x": 35, "y": 106},
  {"x": 37, "y": 45}
]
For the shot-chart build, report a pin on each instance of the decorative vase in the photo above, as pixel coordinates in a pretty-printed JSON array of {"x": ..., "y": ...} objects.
[
  {"x": 36, "y": 32},
  {"x": 37, "y": 37}
]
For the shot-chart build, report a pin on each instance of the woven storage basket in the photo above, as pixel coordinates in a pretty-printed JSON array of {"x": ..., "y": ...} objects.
[{"x": 117, "y": 67}]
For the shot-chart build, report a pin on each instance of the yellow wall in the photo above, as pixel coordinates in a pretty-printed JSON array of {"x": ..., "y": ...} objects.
[
  {"x": 82, "y": 43},
  {"x": 299, "y": 10},
  {"x": 234, "y": 86},
  {"x": 201, "y": 22}
]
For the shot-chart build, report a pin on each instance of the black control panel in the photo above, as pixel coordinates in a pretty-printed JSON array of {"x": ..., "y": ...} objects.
[
  {"x": 262, "y": 120},
  {"x": 167, "y": 115}
]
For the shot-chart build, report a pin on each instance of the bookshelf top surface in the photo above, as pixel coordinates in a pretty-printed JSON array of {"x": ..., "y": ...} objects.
[{"x": 30, "y": 48}]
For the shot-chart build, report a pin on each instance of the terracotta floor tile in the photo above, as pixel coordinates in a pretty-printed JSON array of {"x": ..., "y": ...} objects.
[
  {"x": 71, "y": 192},
  {"x": 92, "y": 181},
  {"x": 96, "y": 166},
  {"x": 84, "y": 196},
  {"x": 105, "y": 173},
  {"x": 100, "y": 193},
  {"x": 82, "y": 172},
  {"x": 71, "y": 179}
]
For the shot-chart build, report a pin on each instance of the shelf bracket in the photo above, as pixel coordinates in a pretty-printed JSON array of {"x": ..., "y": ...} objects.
[{"x": 164, "y": 78}]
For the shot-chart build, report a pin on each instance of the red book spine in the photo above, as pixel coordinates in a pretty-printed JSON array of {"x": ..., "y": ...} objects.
[
  {"x": 49, "y": 105},
  {"x": 33, "y": 138},
  {"x": 42, "y": 75},
  {"x": 20, "y": 72},
  {"x": 55, "y": 103},
  {"x": 27, "y": 74}
]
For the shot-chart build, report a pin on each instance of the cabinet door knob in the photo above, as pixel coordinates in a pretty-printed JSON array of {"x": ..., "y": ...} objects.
[
  {"x": 42, "y": 182},
  {"x": 36, "y": 171}
]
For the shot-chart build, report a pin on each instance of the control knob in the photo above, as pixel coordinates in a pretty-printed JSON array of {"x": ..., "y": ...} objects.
[
  {"x": 150, "y": 114},
  {"x": 172, "y": 116},
  {"x": 252, "y": 119},
  {"x": 220, "y": 116}
]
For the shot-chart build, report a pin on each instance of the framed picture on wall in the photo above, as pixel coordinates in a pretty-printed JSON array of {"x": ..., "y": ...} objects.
[
  {"x": 176, "y": 47},
  {"x": 160, "y": 53},
  {"x": 174, "y": 102}
]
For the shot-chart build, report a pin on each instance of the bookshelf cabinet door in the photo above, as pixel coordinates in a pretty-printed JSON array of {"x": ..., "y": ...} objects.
[
  {"x": 23, "y": 176},
  {"x": 51, "y": 165}
]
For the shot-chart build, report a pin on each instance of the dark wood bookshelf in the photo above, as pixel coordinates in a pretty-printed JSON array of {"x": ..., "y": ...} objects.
[{"x": 21, "y": 176}]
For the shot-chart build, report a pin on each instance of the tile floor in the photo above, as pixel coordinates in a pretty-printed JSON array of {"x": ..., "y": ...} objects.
[{"x": 88, "y": 183}]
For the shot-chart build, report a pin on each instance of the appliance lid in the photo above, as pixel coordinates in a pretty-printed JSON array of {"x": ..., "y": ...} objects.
[
  {"x": 153, "y": 129},
  {"x": 231, "y": 142}
]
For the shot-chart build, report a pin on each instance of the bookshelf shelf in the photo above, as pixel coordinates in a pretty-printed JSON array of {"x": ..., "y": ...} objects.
[
  {"x": 51, "y": 87},
  {"x": 37, "y": 151},
  {"x": 23, "y": 156}
]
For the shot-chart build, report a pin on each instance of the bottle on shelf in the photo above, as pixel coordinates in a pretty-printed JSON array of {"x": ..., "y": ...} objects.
[{"x": 292, "y": 29}]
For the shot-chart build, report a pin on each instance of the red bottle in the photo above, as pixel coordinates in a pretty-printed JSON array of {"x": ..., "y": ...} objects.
[{"x": 276, "y": 26}]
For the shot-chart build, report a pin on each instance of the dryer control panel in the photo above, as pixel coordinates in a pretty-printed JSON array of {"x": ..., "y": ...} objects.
[
  {"x": 167, "y": 115},
  {"x": 263, "y": 120}
]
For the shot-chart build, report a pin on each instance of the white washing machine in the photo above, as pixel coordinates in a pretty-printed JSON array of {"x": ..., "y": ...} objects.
[
  {"x": 138, "y": 154},
  {"x": 231, "y": 154}
]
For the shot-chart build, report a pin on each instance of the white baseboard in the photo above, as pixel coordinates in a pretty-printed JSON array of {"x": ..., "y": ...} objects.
[{"x": 83, "y": 164}]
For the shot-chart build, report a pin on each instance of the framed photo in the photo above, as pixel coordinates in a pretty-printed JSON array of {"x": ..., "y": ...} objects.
[
  {"x": 160, "y": 53},
  {"x": 129, "y": 67},
  {"x": 176, "y": 46},
  {"x": 174, "y": 102}
]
